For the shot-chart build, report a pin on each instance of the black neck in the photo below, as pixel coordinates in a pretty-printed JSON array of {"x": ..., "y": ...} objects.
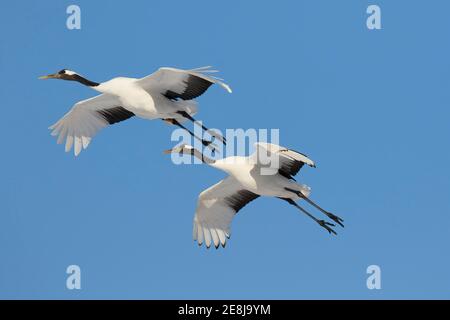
[
  {"x": 85, "y": 81},
  {"x": 202, "y": 157}
]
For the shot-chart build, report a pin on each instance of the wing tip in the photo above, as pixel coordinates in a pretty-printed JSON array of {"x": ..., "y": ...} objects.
[
  {"x": 216, "y": 246},
  {"x": 206, "y": 69},
  {"x": 227, "y": 87},
  {"x": 221, "y": 243}
]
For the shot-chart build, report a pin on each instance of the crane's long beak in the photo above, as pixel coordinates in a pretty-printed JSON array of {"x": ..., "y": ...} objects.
[
  {"x": 50, "y": 76},
  {"x": 168, "y": 151}
]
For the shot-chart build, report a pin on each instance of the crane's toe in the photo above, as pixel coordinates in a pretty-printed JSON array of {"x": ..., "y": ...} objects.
[
  {"x": 327, "y": 226},
  {"x": 336, "y": 219}
]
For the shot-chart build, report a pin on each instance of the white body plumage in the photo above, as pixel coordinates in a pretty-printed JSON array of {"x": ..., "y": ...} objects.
[
  {"x": 246, "y": 181},
  {"x": 166, "y": 94}
]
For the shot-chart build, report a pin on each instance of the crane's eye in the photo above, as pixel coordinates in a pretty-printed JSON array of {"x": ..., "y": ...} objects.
[{"x": 63, "y": 71}]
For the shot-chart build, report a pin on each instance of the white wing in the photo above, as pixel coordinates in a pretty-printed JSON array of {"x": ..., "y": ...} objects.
[
  {"x": 289, "y": 161},
  {"x": 216, "y": 208},
  {"x": 180, "y": 84},
  {"x": 86, "y": 118}
]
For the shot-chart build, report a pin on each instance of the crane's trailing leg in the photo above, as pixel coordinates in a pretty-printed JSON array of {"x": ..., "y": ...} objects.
[
  {"x": 214, "y": 134},
  {"x": 333, "y": 217},
  {"x": 206, "y": 143},
  {"x": 322, "y": 223}
]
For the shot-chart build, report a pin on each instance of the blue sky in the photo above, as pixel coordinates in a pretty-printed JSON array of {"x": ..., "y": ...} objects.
[{"x": 370, "y": 107}]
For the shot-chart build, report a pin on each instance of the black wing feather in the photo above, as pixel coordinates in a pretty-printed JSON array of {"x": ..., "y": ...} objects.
[
  {"x": 195, "y": 87},
  {"x": 241, "y": 198},
  {"x": 290, "y": 167},
  {"x": 116, "y": 114}
]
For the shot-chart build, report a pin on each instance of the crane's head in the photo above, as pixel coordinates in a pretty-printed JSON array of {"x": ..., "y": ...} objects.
[
  {"x": 181, "y": 149},
  {"x": 185, "y": 149},
  {"x": 64, "y": 74},
  {"x": 70, "y": 75}
]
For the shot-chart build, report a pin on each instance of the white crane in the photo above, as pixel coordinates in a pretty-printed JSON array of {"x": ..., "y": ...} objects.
[
  {"x": 247, "y": 181},
  {"x": 166, "y": 94}
]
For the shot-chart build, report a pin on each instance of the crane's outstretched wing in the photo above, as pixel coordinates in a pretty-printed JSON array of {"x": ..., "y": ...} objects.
[
  {"x": 289, "y": 161},
  {"x": 216, "y": 208},
  {"x": 86, "y": 118},
  {"x": 177, "y": 84}
]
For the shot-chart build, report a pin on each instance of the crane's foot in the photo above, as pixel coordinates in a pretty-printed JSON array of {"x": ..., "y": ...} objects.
[
  {"x": 335, "y": 219},
  {"x": 327, "y": 226}
]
